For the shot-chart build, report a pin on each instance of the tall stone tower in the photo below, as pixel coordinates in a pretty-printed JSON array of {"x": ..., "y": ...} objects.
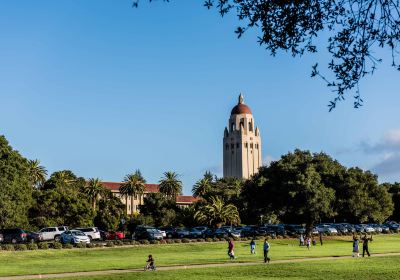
[{"x": 242, "y": 143}]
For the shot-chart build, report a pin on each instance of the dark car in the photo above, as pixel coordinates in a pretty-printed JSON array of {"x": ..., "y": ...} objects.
[
  {"x": 14, "y": 235},
  {"x": 294, "y": 229},
  {"x": 274, "y": 230},
  {"x": 251, "y": 231},
  {"x": 170, "y": 232},
  {"x": 145, "y": 232},
  {"x": 34, "y": 236},
  {"x": 219, "y": 233}
]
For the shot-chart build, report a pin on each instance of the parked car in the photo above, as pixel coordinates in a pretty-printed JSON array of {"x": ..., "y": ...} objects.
[
  {"x": 164, "y": 234},
  {"x": 34, "y": 236},
  {"x": 219, "y": 233},
  {"x": 182, "y": 233},
  {"x": 367, "y": 228},
  {"x": 146, "y": 232},
  {"x": 392, "y": 225},
  {"x": 376, "y": 227},
  {"x": 52, "y": 233},
  {"x": 115, "y": 235},
  {"x": 294, "y": 229},
  {"x": 170, "y": 232},
  {"x": 340, "y": 228},
  {"x": 195, "y": 233},
  {"x": 274, "y": 230},
  {"x": 74, "y": 237},
  {"x": 201, "y": 228},
  {"x": 249, "y": 231},
  {"x": 14, "y": 235},
  {"x": 92, "y": 232},
  {"x": 326, "y": 229}
]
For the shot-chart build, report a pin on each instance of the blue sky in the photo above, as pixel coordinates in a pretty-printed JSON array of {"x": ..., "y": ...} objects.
[{"x": 103, "y": 89}]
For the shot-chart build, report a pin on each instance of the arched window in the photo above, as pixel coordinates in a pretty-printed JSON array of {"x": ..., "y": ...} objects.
[{"x": 250, "y": 126}]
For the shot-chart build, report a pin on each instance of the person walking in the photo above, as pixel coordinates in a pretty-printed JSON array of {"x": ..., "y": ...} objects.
[
  {"x": 231, "y": 252},
  {"x": 320, "y": 238},
  {"x": 252, "y": 246},
  {"x": 356, "y": 252},
  {"x": 308, "y": 242},
  {"x": 301, "y": 240},
  {"x": 365, "y": 241},
  {"x": 266, "y": 250}
]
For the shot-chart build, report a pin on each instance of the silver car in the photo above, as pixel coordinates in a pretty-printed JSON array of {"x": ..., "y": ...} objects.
[{"x": 74, "y": 237}]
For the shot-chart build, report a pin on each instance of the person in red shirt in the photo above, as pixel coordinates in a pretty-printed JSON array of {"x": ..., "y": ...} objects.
[{"x": 231, "y": 252}]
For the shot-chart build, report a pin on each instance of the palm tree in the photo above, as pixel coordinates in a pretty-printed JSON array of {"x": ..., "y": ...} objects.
[
  {"x": 37, "y": 173},
  {"x": 170, "y": 185},
  {"x": 201, "y": 187},
  {"x": 133, "y": 185},
  {"x": 217, "y": 213},
  {"x": 94, "y": 189}
]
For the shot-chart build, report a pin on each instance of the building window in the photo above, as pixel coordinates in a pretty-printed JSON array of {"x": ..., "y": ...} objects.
[
  {"x": 227, "y": 147},
  {"x": 250, "y": 126},
  {"x": 245, "y": 145},
  {"x": 251, "y": 146},
  {"x": 237, "y": 145},
  {"x": 232, "y": 146}
]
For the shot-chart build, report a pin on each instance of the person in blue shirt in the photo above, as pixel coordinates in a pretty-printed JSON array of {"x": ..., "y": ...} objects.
[
  {"x": 252, "y": 246},
  {"x": 266, "y": 251}
]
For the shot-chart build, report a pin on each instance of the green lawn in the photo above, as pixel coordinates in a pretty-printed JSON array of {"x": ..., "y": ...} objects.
[
  {"x": 54, "y": 261},
  {"x": 367, "y": 268}
]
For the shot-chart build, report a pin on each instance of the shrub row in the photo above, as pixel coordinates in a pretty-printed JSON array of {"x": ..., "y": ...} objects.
[{"x": 57, "y": 245}]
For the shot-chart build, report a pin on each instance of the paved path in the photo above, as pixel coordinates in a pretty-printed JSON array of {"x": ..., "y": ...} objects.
[{"x": 162, "y": 268}]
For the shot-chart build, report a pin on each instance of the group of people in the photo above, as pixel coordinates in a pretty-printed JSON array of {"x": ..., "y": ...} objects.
[
  {"x": 308, "y": 240},
  {"x": 266, "y": 247},
  {"x": 356, "y": 243}
]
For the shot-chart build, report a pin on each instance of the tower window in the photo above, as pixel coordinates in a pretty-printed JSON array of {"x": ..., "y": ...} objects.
[
  {"x": 245, "y": 145},
  {"x": 227, "y": 147},
  {"x": 251, "y": 146},
  {"x": 250, "y": 126},
  {"x": 237, "y": 145},
  {"x": 232, "y": 146}
]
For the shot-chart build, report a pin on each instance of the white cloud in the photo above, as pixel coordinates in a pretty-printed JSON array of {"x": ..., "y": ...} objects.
[{"x": 267, "y": 160}]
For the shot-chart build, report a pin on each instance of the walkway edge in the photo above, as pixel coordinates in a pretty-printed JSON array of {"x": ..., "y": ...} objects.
[{"x": 177, "y": 267}]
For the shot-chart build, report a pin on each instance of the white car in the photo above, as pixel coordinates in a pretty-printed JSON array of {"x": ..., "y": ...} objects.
[
  {"x": 74, "y": 237},
  {"x": 92, "y": 232},
  {"x": 367, "y": 228},
  {"x": 326, "y": 229},
  {"x": 164, "y": 234},
  {"x": 52, "y": 233}
]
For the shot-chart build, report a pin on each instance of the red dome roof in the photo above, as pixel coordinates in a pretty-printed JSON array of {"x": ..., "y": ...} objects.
[{"x": 241, "y": 109}]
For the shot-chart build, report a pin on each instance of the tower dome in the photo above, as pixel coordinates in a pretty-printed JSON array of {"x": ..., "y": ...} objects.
[{"x": 241, "y": 108}]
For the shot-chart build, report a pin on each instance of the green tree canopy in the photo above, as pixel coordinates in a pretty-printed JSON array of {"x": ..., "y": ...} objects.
[
  {"x": 170, "y": 185},
  {"x": 62, "y": 202},
  {"x": 161, "y": 208},
  {"x": 15, "y": 187},
  {"x": 133, "y": 185},
  {"x": 216, "y": 213},
  {"x": 37, "y": 173},
  {"x": 353, "y": 30}
]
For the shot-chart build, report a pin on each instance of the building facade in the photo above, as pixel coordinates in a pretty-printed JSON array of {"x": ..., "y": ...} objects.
[
  {"x": 182, "y": 201},
  {"x": 242, "y": 143}
]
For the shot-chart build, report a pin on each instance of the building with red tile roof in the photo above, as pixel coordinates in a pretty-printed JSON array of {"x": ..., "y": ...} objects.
[{"x": 181, "y": 200}]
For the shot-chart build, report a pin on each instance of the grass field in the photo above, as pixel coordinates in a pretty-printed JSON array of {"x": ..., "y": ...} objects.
[
  {"x": 370, "y": 268},
  {"x": 56, "y": 261}
]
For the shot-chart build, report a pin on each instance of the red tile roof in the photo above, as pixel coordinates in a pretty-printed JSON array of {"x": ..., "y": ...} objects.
[
  {"x": 186, "y": 199},
  {"x": 153, "y": 188},
  {"x": 150, "y": 188}
]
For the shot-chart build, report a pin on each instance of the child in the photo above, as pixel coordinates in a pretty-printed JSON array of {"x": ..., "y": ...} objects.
[
  {"x": 252, "y": 246},
  {"x": 308, "y": 243},
  {"x": 150, "y": 263},
  {"x": 356, "y": 242}
]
